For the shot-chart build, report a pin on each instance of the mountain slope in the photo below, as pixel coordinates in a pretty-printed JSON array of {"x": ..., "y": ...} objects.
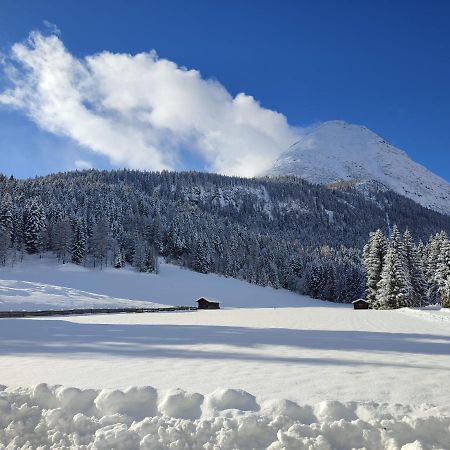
[
  {"x": 337, "y": 151},
  {"x": 42, "y": 283},
  {"x": 271, "y": 232}
]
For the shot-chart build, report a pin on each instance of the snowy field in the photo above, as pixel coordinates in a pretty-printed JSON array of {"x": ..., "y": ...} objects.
[
  {"x": 350, "y": 379},
  {"x": 303, "y": 354},
  {"x": 173, "y": 286},
  {"x": 306, "y": 374},
  {"x": 27, "y": 296}
]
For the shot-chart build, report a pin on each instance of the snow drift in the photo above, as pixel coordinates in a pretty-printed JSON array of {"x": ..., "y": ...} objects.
[
  {"x": 141, "y": 418},
  {"x": 27, "y": 296}
]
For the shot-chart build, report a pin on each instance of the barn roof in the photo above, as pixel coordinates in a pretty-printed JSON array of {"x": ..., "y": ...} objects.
[
  {"x": 360, "y": 300},
  {"x": 208, "y": 299}
]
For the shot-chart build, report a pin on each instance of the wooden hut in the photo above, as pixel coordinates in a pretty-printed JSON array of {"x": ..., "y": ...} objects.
[
  {"x": 206, "y": 303},
  {"x": 360, "y": 304}
]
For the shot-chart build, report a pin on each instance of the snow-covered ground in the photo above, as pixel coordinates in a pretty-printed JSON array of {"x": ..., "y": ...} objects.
[
  {"x": 26, "y": 296},
  {"x": 354, "y": 368},
  {"x": 172, "y": 286},
  {"x": 48, "y": 417},
  {"x": 303, "y": 354}
]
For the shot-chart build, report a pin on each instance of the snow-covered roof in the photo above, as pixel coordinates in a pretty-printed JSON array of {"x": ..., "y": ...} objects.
[
  {"x": 360, "y": 300},
  {"x": 209, "y": 299}
]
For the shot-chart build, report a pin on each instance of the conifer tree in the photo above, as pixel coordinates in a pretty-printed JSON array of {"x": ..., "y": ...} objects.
[
  {"x": 145, "y": 256},
  {"x": 313, "y": 280},
  {"x": 416, "y": 272},
  {"x": 5, "y": 243},
  {"x": 434, "y": 269},
  {"x": 201, "y": 262},
  {"x": 273, "y": 275},
  {"x": 100, "y": 241},
  {"x": 34, "y": 225},
  {"x": 139, "y": 254},
  {"x": 443, "y": 273},
  {"x": 150, "y": 259},
  {"x": 445, "y": 292},
  {"x": 62, "y": 239},
  {"x": 79, "y": 243},
  {"x": 394, "y": 288},
  {"x": 7, "y": 216},
  {"x": 373, "y": 258},
  {"x": 118, "y": 257},
  {"x": 422, "y": 251},
  {"x": 352, "y": 284}
]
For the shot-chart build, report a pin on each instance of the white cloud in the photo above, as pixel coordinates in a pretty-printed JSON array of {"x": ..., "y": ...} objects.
[
  {"x": 141, "y": 111},
  {"x": 81, "y": 164}
]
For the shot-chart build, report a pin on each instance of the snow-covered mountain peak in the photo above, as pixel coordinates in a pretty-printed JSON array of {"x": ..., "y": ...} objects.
[
  {"x": 337, "y": 150},
  {"x": 338, "y": 136}
]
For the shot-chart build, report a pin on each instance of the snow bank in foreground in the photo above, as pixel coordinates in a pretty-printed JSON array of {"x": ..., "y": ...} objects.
[{"x": 141, "y": 418}]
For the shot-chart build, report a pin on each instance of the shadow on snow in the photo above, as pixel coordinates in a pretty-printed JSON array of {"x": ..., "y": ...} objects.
[{"x": 39, "y": 337}]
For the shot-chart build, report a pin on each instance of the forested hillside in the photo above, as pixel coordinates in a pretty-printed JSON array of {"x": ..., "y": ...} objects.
[{"x": 282, "y": 232}]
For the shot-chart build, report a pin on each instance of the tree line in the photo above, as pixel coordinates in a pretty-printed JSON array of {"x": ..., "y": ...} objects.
[
  {"x": 402, "y": 274},
  {"x": 282, "y": 232}
]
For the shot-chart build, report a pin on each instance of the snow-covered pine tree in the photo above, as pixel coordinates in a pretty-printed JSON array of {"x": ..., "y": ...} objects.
[
  {"x": 34, "y": 225},
  {"x": 313, "y": 283},
  {"x": 329, "y": 282},
  {"x": 118, "y": 258},
  {"x": 5, "y": 243},
  {"x": 394, "y": 288},
  {"x": 62, "y": 239},
  {"x": 374, "y": 254},
  {"x": 414, "y": 266},
  {"x": 351, "y": 283},
  {"x": 272, "y": 272},
  {"x": 201, "y": 258},
  {"x": 145, "y": 256},
  {"x": 139, "y": 253},
  {"x": 154, "y": 233},
  {"x": 177, "y": 242},
  {"x": 446, "y": 294},
  {"x": 7, "y": 216},
  {"x": 422, "y": 251},
  {"x": 443, "y": 273},
  {"x": 79, "y": 243},
  {"x": 435, "y": 250},
  {"x": 100, "y": 241},
  {"x": 151, "y": 259}
]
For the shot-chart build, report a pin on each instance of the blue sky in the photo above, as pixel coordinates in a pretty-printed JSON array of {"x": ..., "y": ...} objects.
[{"x": 382, "y": 64}]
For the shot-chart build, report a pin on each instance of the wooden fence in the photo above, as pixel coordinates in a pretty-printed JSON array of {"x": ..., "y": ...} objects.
[{"x": 85, "y": 311}]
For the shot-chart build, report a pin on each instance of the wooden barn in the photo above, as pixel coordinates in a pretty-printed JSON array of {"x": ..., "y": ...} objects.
[
  {"x": 360, "y": 304},
  {"x": 206, "y": 303}
]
